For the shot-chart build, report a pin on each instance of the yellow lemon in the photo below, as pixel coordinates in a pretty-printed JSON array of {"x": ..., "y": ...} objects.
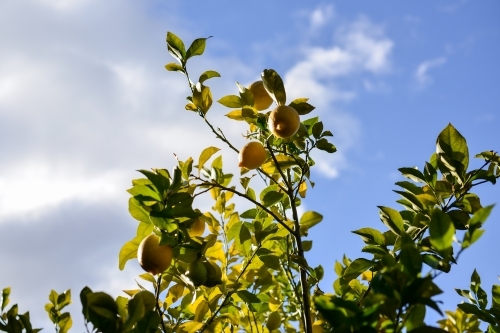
[
  {"x": 261, "y": 98},
  {"x": 252, "y": 155},
  {"x": 153, "y": 257},
  {"x": 284, "y": 121},
  {"x": 197, "y": 228},
  {"x": 197, "y": 273}
]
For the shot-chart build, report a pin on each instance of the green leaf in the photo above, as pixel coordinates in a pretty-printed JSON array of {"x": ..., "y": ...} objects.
[
  {"x": 413, "y": 174},
  {"x": 173, "y": 67},
  {"x": 176, "y": 47},
  {"x": 310, "y": 219},
  {"x": 246, "y": 95},
  {"x": 248, "y": 297},
  {"x": 270, "y": 195},
  {"x": 495, "y": 295},
  {"x": 231, "y": 101},
  {"x": 453, "y": 145},
  {"x": 202, "y": 97},
  {"x": 317, "y": 129},
  {"x": 472, "y": 309},
  {"x": 208, "y": 75},
  {"x": 145, "y": 192},
  {"x": 270, "y": 260},
  {"x": 370, "y": 236},
  {"x": 323, "y": 144},
  {"x": 481, "y": 215},
  {"x": 307, "y": 245},
  {"x": 244, "y": 240},
  {"x": 357, "y": 267},
  {"x": 137, "y": 212},
  {"x": 196, "y": 48},
  {"x": 5, "y": 298},
  {"x": 274, "y": 86},
  {"x": 205, "y": 156},
  {"x": 301, "y": 106},
  {"x": 441, "y": 230},
  {"x": 392, "y": 219},
  {"x": 128, "y": 251},
  {"x": 415, "y": 317}
]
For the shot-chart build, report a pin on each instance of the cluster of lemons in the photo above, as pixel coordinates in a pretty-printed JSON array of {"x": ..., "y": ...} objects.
[
  {"x": 155, "y": 259},
  {"x": 283, "y": 122}
]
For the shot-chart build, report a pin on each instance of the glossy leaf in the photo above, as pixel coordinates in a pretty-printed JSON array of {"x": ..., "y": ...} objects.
[
  {"x": 173, "y": 67},
  {"x": 441, "y": 230},
  {"x": 196, "y": 48},
  {"x": 205, "y": 156},
  {"x": 357, "y": 267},
  {"x": 231, "y": 101},
  {"x": 274, "y": 86},
  {"x": 208, "y": 75},
  {"x": 176, "y": 47},
  {"x": 370, "y": 236},
  {"x": 392, "y": 219}
]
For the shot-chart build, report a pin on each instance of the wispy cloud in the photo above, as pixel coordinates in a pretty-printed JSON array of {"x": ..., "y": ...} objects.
[
  {"x": 320, "y": 16},
  {"x": 359, "y": 48},
  {"x": 422, "y": 75}
]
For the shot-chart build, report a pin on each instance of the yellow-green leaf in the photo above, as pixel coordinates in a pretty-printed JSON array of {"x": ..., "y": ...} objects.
[{"x": 205, "y": 156}]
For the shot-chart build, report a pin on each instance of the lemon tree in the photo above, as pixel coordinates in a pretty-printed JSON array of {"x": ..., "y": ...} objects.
[{"x": 248, "y": 272}]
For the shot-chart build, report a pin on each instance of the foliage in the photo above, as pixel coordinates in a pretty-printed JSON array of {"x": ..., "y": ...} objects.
[{"x": 260, "y": 280}]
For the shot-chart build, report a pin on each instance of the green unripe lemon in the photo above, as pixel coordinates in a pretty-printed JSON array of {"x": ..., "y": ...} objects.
[
  {"x": 273, "y": 321},
  {"x": 197, "y": 273},
  {"x": 214, "y": 274}
]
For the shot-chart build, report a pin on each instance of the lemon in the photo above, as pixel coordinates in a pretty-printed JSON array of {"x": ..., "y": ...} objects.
[
  {"x": 261, "y": 98},
  {"x": 153, "y": 257},
  {"x": 283, "y": 121},
  {"x": 252, "y": 155},
  {"x": 197, "y": 273},
  {"x": 214, "y": 274},
  {"x": 273, "y": 321},
  {"x": 197, "y": 228}
]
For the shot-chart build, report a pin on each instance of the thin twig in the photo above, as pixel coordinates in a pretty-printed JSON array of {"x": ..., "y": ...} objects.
[{"x": 267, "y": 210}]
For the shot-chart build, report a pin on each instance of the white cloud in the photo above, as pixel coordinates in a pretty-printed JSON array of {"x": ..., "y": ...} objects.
[
  {"x": 422, "y": 72},
  {"x": 320, "y": 16},
  {"x": 360, "y": 48}
]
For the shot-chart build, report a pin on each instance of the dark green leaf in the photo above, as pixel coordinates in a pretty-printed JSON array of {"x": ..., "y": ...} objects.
[
  {"x": 196, "y": 48},
  {"x": 392, "y": 219},
  {"x": 301, "y": 106},
  {"x": 323, "y": 144},
  {"x": 274, "y": 86},
  {"x": 453, "y": 145},
  {"x": 370, "y": 236},
  {"x": 413, "y": 174},
  {"x": 357, "y": 267},
  {"x": 317, "y": 129}
]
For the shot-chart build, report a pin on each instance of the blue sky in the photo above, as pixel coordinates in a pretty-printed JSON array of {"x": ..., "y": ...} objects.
[{"x": 85, "y": 101}]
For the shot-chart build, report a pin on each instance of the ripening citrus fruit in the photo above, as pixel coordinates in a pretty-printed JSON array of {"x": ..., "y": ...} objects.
[
  {"x": 153, "y": 257},
  {"x": 252, "y": 155},
  {"x": 197, "y": 228},
  {"x": 214, "y": 274},
  {"x": 273, "y": 321},
  {"x": 197, "y": 273},
  {"x": 261, "y": 98},
  {"x": 284, "y": 121}
]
